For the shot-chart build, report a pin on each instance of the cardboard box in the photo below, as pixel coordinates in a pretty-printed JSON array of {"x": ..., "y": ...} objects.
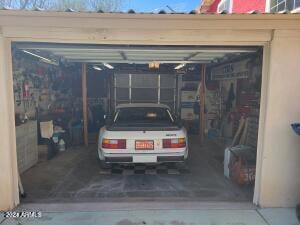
[
  {"x": 188, "y": 96},
  {"x": 187, "y": 114}
]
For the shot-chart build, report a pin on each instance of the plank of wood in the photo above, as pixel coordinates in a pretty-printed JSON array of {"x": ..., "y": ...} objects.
[
  {"x": 21, "y": 188},
  {"x": 202, "y": 104},
  {"x": 237, "y": 134},
  {"x": 244, "y": 134},
  {"x": 84, "y": 106}
]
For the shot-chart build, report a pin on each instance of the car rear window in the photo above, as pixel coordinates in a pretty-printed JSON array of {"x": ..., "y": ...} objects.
[{"x": 143, "y": 116}]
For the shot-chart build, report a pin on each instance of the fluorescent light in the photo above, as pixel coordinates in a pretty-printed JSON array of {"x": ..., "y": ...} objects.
[
  {"x": 43, "y": 59},
  {"x": 179, "y": 66},
  {"x": 97, "y": 68},
  {"x": 49, "y": 62},
  {"x": 108, "y": 66}
]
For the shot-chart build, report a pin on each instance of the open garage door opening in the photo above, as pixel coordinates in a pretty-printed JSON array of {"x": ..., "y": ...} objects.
[{"x": 126, "y": 122}]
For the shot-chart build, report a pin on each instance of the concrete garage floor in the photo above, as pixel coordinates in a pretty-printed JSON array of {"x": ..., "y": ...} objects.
[{"x": 75, "y": 176}]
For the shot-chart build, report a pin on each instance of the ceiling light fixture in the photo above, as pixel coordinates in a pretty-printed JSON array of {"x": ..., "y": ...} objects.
[
  {"x": 179, "y": 66},
  {"x": 97, "y": 68},
  {"x": 108, "y": 66},
  {"x": 153, "y": 65},
  {"x": 43, "y": 59}
]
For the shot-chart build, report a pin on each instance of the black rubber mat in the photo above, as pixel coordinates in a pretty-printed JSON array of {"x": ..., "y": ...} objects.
[{"x": 132, "y": 169}]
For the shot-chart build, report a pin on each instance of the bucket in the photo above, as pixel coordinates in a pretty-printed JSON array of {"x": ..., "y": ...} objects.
[{"x": 61, "y": 145}]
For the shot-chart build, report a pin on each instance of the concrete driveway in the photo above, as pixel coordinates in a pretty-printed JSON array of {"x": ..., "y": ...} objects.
[{"x": 138, "y": 214}]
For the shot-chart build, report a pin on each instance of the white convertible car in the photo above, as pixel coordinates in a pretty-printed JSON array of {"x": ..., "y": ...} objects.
[{"x": 142, "y": 133}]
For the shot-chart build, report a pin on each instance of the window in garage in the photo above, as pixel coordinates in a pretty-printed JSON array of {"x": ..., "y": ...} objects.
[
  {"x": 142, "y": 88},
  {"x": 213, "y": 91}
]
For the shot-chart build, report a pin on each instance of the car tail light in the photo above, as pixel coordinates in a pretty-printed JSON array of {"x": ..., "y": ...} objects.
[
  {"x": 174, "y": 143},
  {"x": 114, "y": 143}
]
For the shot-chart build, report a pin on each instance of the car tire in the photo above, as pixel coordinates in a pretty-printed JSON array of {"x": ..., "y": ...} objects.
[{"x": 104, "y": 165}]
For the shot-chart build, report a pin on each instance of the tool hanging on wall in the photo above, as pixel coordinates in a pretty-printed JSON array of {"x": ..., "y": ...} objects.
[{"x": 25, "y": 89}]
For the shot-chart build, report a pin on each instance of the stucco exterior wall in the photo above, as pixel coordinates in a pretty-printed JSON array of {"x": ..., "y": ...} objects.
[
  {"x": 8, "y": 166},
  {"x": 245, "y": 6},
  {"x": 280, "y": 172}
]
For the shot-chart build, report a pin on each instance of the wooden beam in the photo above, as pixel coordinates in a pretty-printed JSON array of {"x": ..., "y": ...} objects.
[
  {"x": 202, "y": 104},
  {"x": 140, "y": 37},
  {"x": 84, "y": 106},
  {"x": 104, "y": 21}
]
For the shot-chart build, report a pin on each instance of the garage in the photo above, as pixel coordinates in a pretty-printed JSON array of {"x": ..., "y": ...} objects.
[
  {"x": 228, "y": 80},
  {"x": 64, "y": 94}
]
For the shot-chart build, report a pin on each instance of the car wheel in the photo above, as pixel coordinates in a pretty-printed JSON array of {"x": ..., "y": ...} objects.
[{"x": 105, "y": 165}]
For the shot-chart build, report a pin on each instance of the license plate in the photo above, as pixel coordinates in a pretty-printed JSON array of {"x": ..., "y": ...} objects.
[
  {"x": 144, "y": 159},
  {"x": 144, "y": 145}
]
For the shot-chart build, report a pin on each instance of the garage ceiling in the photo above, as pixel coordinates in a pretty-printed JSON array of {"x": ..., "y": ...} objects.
[{"x": 130, "y": 54}]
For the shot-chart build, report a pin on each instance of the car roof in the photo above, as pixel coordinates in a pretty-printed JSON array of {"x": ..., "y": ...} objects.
[{"x": 132, "y": 105}]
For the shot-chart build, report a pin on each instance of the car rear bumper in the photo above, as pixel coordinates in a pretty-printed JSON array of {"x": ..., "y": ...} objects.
[
  {"x": 130, "y": 159},
  {"x": 142, "y": 158}
]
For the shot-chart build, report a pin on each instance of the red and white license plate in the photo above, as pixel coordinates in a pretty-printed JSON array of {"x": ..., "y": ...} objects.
[{"x": 144, "y": 145}]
